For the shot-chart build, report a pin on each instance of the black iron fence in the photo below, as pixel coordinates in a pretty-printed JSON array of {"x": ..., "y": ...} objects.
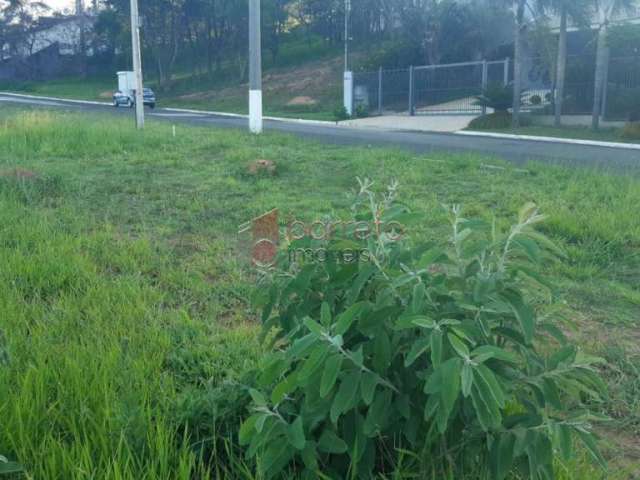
[{"x": 453, "y": 88}]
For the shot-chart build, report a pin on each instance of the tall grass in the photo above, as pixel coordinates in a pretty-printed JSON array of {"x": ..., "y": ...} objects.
[{"x": 123, "y": 307}]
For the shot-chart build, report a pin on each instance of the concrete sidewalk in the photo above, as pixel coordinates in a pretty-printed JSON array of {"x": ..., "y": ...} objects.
[{"x": 418, "y": 123}]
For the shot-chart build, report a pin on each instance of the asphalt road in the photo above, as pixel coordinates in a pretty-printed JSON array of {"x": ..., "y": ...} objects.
[{"x": 513, "y": 150}]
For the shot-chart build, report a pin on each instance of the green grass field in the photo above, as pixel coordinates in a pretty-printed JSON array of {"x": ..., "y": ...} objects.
[{"x": 124, "y": 306}]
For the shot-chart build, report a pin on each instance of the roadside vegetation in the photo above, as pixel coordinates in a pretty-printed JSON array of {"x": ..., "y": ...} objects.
[
  {"x": 129, "y": 340},
  {"x": 498, "y": 125},
  {"x": 500, "y": 99},
  {"x": 297, "y": 86}
]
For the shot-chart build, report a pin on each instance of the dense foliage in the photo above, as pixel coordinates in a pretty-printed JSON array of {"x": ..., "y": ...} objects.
[
  {"x": 496, "y": 121},
  {"x": 631, "y": 131},
  {"x": 426, "y": 356}
]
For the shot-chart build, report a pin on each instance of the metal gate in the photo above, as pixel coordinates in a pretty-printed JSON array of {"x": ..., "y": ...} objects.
[{"x": 428, "y": 90}]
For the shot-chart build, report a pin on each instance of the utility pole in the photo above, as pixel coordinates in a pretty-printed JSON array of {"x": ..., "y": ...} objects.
[
  {"x": 137, "y": 63},
  {"x": 347, "y": 14},
  {"x": 255, "y": 68}
]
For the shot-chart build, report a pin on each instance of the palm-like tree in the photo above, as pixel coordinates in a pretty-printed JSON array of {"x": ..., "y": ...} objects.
[
  {"x": 605, "y": 10},
  {"x": 520, "y": 6},
  {"x": 578, "y": 12}
]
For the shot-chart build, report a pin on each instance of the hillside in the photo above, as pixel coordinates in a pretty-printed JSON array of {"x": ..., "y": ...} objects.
[{"x": 291, "y": 88}]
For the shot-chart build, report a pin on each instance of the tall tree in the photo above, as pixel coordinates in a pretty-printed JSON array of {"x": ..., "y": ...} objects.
[
  {"x": 520, "y": 27},
  {"x": 578, "y": 12},
  {"x": 605, "y": 11}
]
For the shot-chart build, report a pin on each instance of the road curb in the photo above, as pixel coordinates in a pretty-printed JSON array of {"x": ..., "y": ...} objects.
[
  {"x": 171, "y": 109},
  {"x": 569, "y": 141},
  {"x": 55, "y": 99},
  {"x": 240, "y": 115}
]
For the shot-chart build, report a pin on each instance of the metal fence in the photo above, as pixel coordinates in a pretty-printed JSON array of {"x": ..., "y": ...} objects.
[
  {"x": 423, "y": 90},
  {"x": 453, "y": 88}
]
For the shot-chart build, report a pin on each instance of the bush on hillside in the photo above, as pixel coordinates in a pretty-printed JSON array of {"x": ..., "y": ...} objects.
[
  {"x": 434, "y": 352},
  {"x": 496, "y": 96}
]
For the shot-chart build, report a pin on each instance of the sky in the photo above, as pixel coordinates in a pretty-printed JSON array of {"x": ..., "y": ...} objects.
[{"x": 59, "y": 4}]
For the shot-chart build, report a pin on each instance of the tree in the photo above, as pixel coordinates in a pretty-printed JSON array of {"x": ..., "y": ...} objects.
[
  {"x": 517, "y": 60},
  {"x": 605, "y": 10},
  {"x": 578, "y": 12}
]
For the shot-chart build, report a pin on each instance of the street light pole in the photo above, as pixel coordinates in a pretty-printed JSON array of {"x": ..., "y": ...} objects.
[
  {"x": 255, "y": 68},
  {"x": 137, "y": 63},
  {"x": 347, "y": 12},
  {"x": 347, "y": 82}
]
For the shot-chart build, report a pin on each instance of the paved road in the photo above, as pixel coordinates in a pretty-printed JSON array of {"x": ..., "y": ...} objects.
[{"x": 517, "y": 151}]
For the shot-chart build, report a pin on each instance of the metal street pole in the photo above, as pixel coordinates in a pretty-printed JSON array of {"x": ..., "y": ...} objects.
[
  {"x": 347, "y": 81},
  {"x": 347, "y": 13},
  {"x": 137, "y": 63},
  {"x": 255, "y": 68}
]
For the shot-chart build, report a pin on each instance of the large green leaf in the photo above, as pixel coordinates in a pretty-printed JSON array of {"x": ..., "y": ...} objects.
[
  {"x": 524, "y": 313},
  {"x": 382, "y": 352},
  {"x": 501, "y": 455},
  {"x": 485, "y": 377},
  {"x": 485, "y": 352},
  {"x": 325, "y": 314},
  {"x": 284, "y": 388},
  {"x": 368, "y": 386},
  {"x": 329, "y": 442},
  {"x": 418, "y": 348},
  {"x": 436, "y": 347},
  {"x": 296, "y": 434},
  {"x": 451, "y": 370},
  {"x": 346, "y": 394},
  {"x": 458, "y": 345},
  {"x": 312, "y": 363},
  {"x": 247, "y": 429},
  {"x": 378, "y": 413},
  {"x": 363, "y": 276},
  {"x": 466, "y": 377},
  {"x": 7, "y": 467},
  {"x": 346, "y": 318},
  {"x": 564, "y": 441},
  {"x": 592, "y": 447},
  {"x": 330, "y": 374}
]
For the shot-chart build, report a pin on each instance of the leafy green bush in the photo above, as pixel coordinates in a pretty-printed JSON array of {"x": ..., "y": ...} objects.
[
  {"x": 496, "y": 96},
  {"x": 422, "y": 353},
  {"x": 361, "y": 111},
  {"x": 340, "y": 113},
  {"x": 496, "y": 121},
  {"x": 535, "y": 100},
  {"x": 491, "y": 121},
  {"x": 631, "y": 131}
]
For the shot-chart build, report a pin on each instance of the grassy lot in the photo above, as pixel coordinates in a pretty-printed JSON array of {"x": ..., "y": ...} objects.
[
  {"x": 124, "y": 293},
  {"x": 305, "y": 81}
]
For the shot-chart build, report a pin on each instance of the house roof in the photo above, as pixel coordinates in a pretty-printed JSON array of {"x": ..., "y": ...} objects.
[
  {"x": 45, "y": 23},
  {"x": 631, "y": 16}
]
